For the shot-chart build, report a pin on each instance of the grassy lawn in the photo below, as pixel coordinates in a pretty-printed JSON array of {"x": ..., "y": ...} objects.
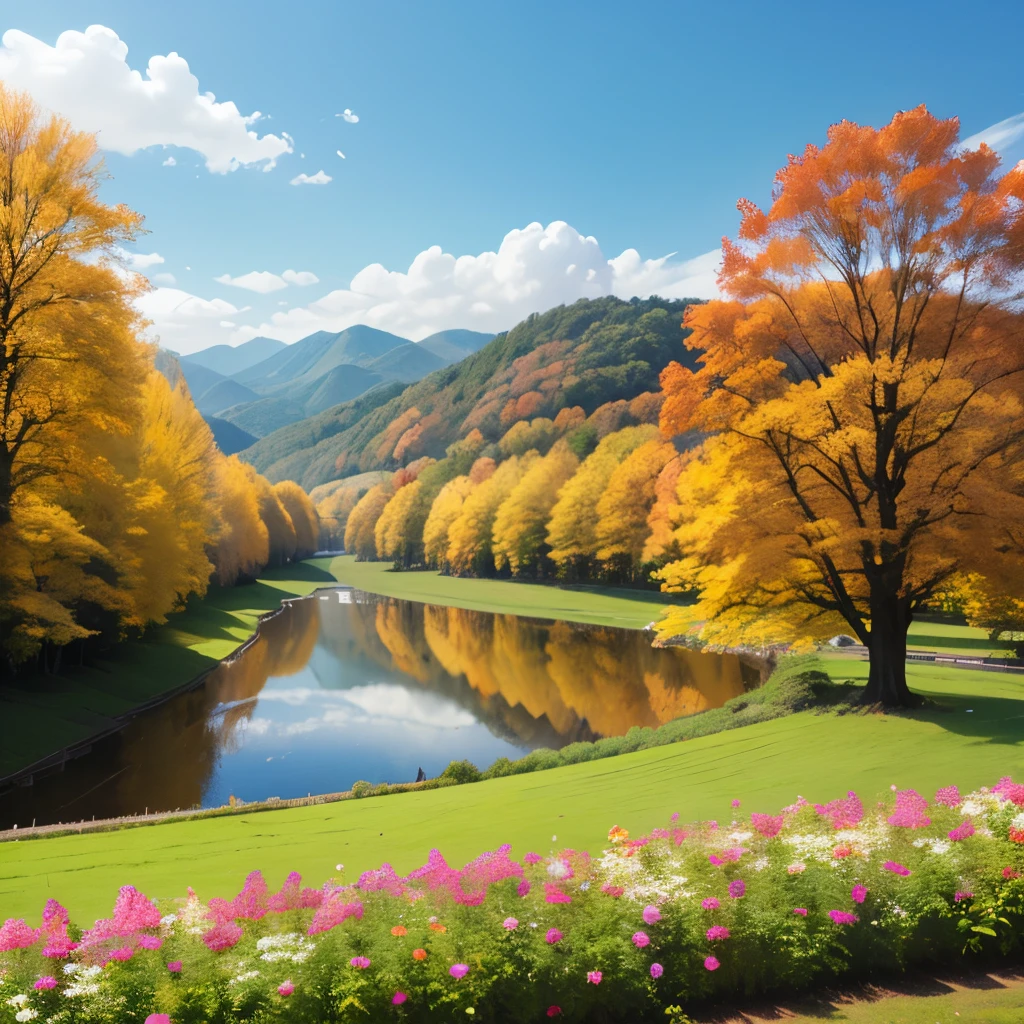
[
  {"x": 973, "y": 738},
  {"x": 603, "y": 606}
]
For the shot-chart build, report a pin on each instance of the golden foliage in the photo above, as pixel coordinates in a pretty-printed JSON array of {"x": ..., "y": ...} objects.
[{"x": 302, "y": 514}]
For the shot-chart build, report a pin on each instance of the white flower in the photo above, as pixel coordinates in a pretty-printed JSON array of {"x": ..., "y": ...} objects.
[
  {"x": 247, "y": 976},
  {"x": 26, "y": 1014},
  {"x": 558, "y": 869},
  {"x": 81, "y": 990},
  {"x": 940, "y": 846},
  {"x": 740, "y": 837},
  {"x": 91, "y": 972},
  {"x": 584, "y": 886},
  {"x": 169, "y": 919},
  {"x": 72, "y": 968},
  {"x": 1018, "y": 821},
  {"x": 19, "y": 1000},
  {"x": 761, "y": 863}
]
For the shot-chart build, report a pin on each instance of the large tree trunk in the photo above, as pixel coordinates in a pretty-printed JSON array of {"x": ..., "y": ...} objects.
[{"x": 887, "y": 653}]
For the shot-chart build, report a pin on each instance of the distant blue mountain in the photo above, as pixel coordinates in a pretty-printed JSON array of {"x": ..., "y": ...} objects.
[{"x": 228, "y": 360}]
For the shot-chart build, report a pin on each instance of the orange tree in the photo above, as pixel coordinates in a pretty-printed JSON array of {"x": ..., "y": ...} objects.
[{"x": 859, "y": 396}]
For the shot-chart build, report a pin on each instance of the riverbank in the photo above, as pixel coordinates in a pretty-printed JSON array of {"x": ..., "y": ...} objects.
[{"x": 976, "y": 727}]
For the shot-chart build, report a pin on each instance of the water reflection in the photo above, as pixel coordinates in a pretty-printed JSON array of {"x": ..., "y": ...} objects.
[{"x": 346, "y": 685}]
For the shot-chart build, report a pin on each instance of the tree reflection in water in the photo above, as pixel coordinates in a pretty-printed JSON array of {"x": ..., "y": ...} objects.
[{"x": 326, "y": 675}]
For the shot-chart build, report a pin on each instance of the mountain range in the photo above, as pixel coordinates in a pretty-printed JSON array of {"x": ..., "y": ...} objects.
[{"x": 264, "y": 384}]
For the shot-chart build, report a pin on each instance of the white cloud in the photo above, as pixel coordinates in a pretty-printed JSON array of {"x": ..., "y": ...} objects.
[
  {"x": 1005, "y": 137},
  {"x": 186, "y": 323},
  {"x": 534, "y": 269},
  {"x": 339, "y": 152},
  {"x": 264, "y": 282},
  {"x": 86, "y": 78},
  {"x": 170, "y": 162},
  {"x": 348, "y": 116},
  {"x": 306, "y": 179},
  {"x": 140, "y": 260},
  {"x": 164, "y": 279},
  {"x": 303, "y": 278}
]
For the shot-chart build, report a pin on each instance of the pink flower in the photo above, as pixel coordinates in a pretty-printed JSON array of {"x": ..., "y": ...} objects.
[
  {"x": 510, "y": 924},
  {"x": 360, "y": 962},
  {"x": 948, "y": 796},
  {"x": 458, "y": 970},
  {"x": 286, "y": 988},
  {"x": 769, "y": 825},
  {"x": 615, "y": 891},
  {"x": 737, "y": 888},
  {"x": 961, "y": 895},
  {"x": 651, "y": 915},
  {"x": 523, "y": 887},
  {"x": 158, "y": 1018},
  {"x": 532, "y": 858},
  {"x": 717, "y": 932},
  {"x": 1010, "y": 790},
  {"x": 796, "y": 869},
  {"x": 398, "y": 998},
  {"x": 675, "y": 817},
  {"x": 150, "y": 941},
  {"x": 174, "y": 967},
  {"x": 843, "y": 917},
  {"x": 909, "y": 811},
  {"x": 802, "y": 911},
  {"x": 711, "y": 903},
  {"x": 844, "y": 813},
  {"x": 640, "y": 940},
  {"x": 963, "y": 831},
  {"x": 711, "y": 963},
  {"x": 735, "y": 803},
  {"x": 123, "y": 953},
  {"x": 858, "y": 893},
  {"x": 553, "y": 936},
  {"x": 594, "y": 977},
  {"x": 45, "y": 982},
  {"x": 332, "y": 912},
  {"x": 552, "y": 894},
  {"x": 15, "y": 934},
  {"x": 657, "y": 970},
  {"x": 554, "y": 1011},
  {"x": 896, "y": 869},
  {"x": 223, "y": 936}
]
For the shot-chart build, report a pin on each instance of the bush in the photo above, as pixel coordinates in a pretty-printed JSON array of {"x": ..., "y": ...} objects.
[
  {"x": 668, "y": 919},
  {"x": 460, "y": 772}
]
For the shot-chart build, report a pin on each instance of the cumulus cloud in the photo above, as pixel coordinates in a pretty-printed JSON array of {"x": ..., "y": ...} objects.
[
  {"x": 264, "y": 282},
  {"x": 311, "y": 179},
  {"x": 86, "y": 78},
  {"x": 186, "y": 323},
  {"x": 164, "y": 279},
  {"x": 534, "y": 268},
  {"x": 140, "y": 260},
  {"x": 170, "y": 162},
  {"x": 349, "y": 116}
]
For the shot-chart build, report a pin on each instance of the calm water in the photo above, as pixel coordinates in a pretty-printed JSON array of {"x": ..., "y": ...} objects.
[{"x": 347, "y": 685}]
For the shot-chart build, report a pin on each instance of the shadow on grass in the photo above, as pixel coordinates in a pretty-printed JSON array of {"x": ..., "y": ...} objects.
[{"x": 830, "y": 1003}]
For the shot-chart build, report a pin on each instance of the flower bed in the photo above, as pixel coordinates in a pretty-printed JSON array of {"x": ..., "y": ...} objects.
[{"x": 686, "y": 913}]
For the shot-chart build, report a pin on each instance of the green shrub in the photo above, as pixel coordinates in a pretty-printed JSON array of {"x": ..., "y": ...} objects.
[{"x": 461, "y": 772}]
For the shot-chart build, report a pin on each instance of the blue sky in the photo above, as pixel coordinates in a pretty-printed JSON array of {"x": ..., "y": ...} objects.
[{"x": 638, "y": 125}]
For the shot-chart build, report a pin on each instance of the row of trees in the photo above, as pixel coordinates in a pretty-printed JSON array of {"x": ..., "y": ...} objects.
[
  {"x": 115, "y": 503},
  {"x": 549, "y": 499}
]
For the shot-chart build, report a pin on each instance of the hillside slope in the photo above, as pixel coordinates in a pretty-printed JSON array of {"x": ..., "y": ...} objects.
[
  {"x": 589, "y": 354},
  {"x": 228, "y": 360}
]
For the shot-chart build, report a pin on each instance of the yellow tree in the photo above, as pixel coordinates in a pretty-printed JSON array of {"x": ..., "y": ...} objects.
[
  {"x": 470, "y": 534},
  {"x": 624, "y": 507},
  {"x": 660, "y": 545},
  {"x": 521, "y": 521},
  {"x": 359, "y": 535},
  {"x": 302, "y": 514},
  {"x": 280, "y": 531},
  {"x": 242, "y": 543},
  {"x": 862, "y": 389},
  {"x": 392, "y": 534},
  {"x": 443, "y": 512},
  {"x": 572, "y": 529}
]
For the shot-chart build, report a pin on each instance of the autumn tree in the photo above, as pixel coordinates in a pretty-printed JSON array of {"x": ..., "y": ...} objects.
[
  {"x": 627, "y": 501},
  {"x": 860, "y": 390},
  {"x": 445, "y": 509},
  {"x": 302, "y": 515},
  {"x": 520, "y": 524},
  {"x": 242, "y": 541},
  {"x": 362, "y": 520},
  {"x": 660, "y": 544},
  {"x": 395, "y": 536},
  {"x": 572, "y": 528},
  {"x": 470, "y": 534},
  {"x": 280, "y": 531}
]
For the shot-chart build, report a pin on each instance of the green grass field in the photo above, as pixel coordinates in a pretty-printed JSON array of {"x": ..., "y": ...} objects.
[{"x": 973, "y": 737}]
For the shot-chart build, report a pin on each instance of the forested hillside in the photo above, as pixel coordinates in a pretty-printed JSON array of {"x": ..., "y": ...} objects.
[{"x": 598, "y": 356}]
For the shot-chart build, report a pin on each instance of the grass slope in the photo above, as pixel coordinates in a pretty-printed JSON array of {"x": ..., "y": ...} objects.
[
  {"x": 603, "y": 606},
  {"x": 976, "y": 736}
]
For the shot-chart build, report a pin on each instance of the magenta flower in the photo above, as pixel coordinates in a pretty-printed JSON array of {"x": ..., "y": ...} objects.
[
  {"x": 174, "y": 967},
  {"x": 657, "y": 970},
  {"x": 553, "y": 1011},
  {"x": 223, "y": 936},
  {"x": 651, "y": 915},
  {"x": 532, "y": 858},
  {"x": 843, "y": 917},
  {"x": 769, "y": 825},
  {"x": 398, "y": 998},
  {"x": 735, "y": 803},
  {"x": 711, "y": 903},
  {"x": 844, "y": 813},
  {"x": 158, "y": 1018},
  {"x": 948, "y": 796},
  {"x": 553, "y": 936},
  {"x": 640, "y": 939},
  {"x": 711, "y": 963},
  {"x": 1010, "y": 790},
  {"x": 858, "y": 893},
  {"x": 963, "y": 831},
  {"x": 510, "y": 923},
  {"x": 675, "y": 817},
  {"x": 737, "y": 888},
  {"x": 150, "y": 941},
  {"x": 286, "y": 988},
  {"x": 909, "y": 811},
  {"x": 45, "y": 982},
  {"x": 360, "y": 962},
  {"x": 552, "y": 894},
  {"x": 961, "y": 895},
  {"x": 896, "y": 869},
  {"x": 802, "y": 911},
  {"x": 458, "y": 970},
  {"x": 594, "y": 977},
  {"x": 15, "y": 934},
  {"x": 717, "y": 932},
  {"x": 523, "y": 887},
  {"x": 123, "y": 953}
]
